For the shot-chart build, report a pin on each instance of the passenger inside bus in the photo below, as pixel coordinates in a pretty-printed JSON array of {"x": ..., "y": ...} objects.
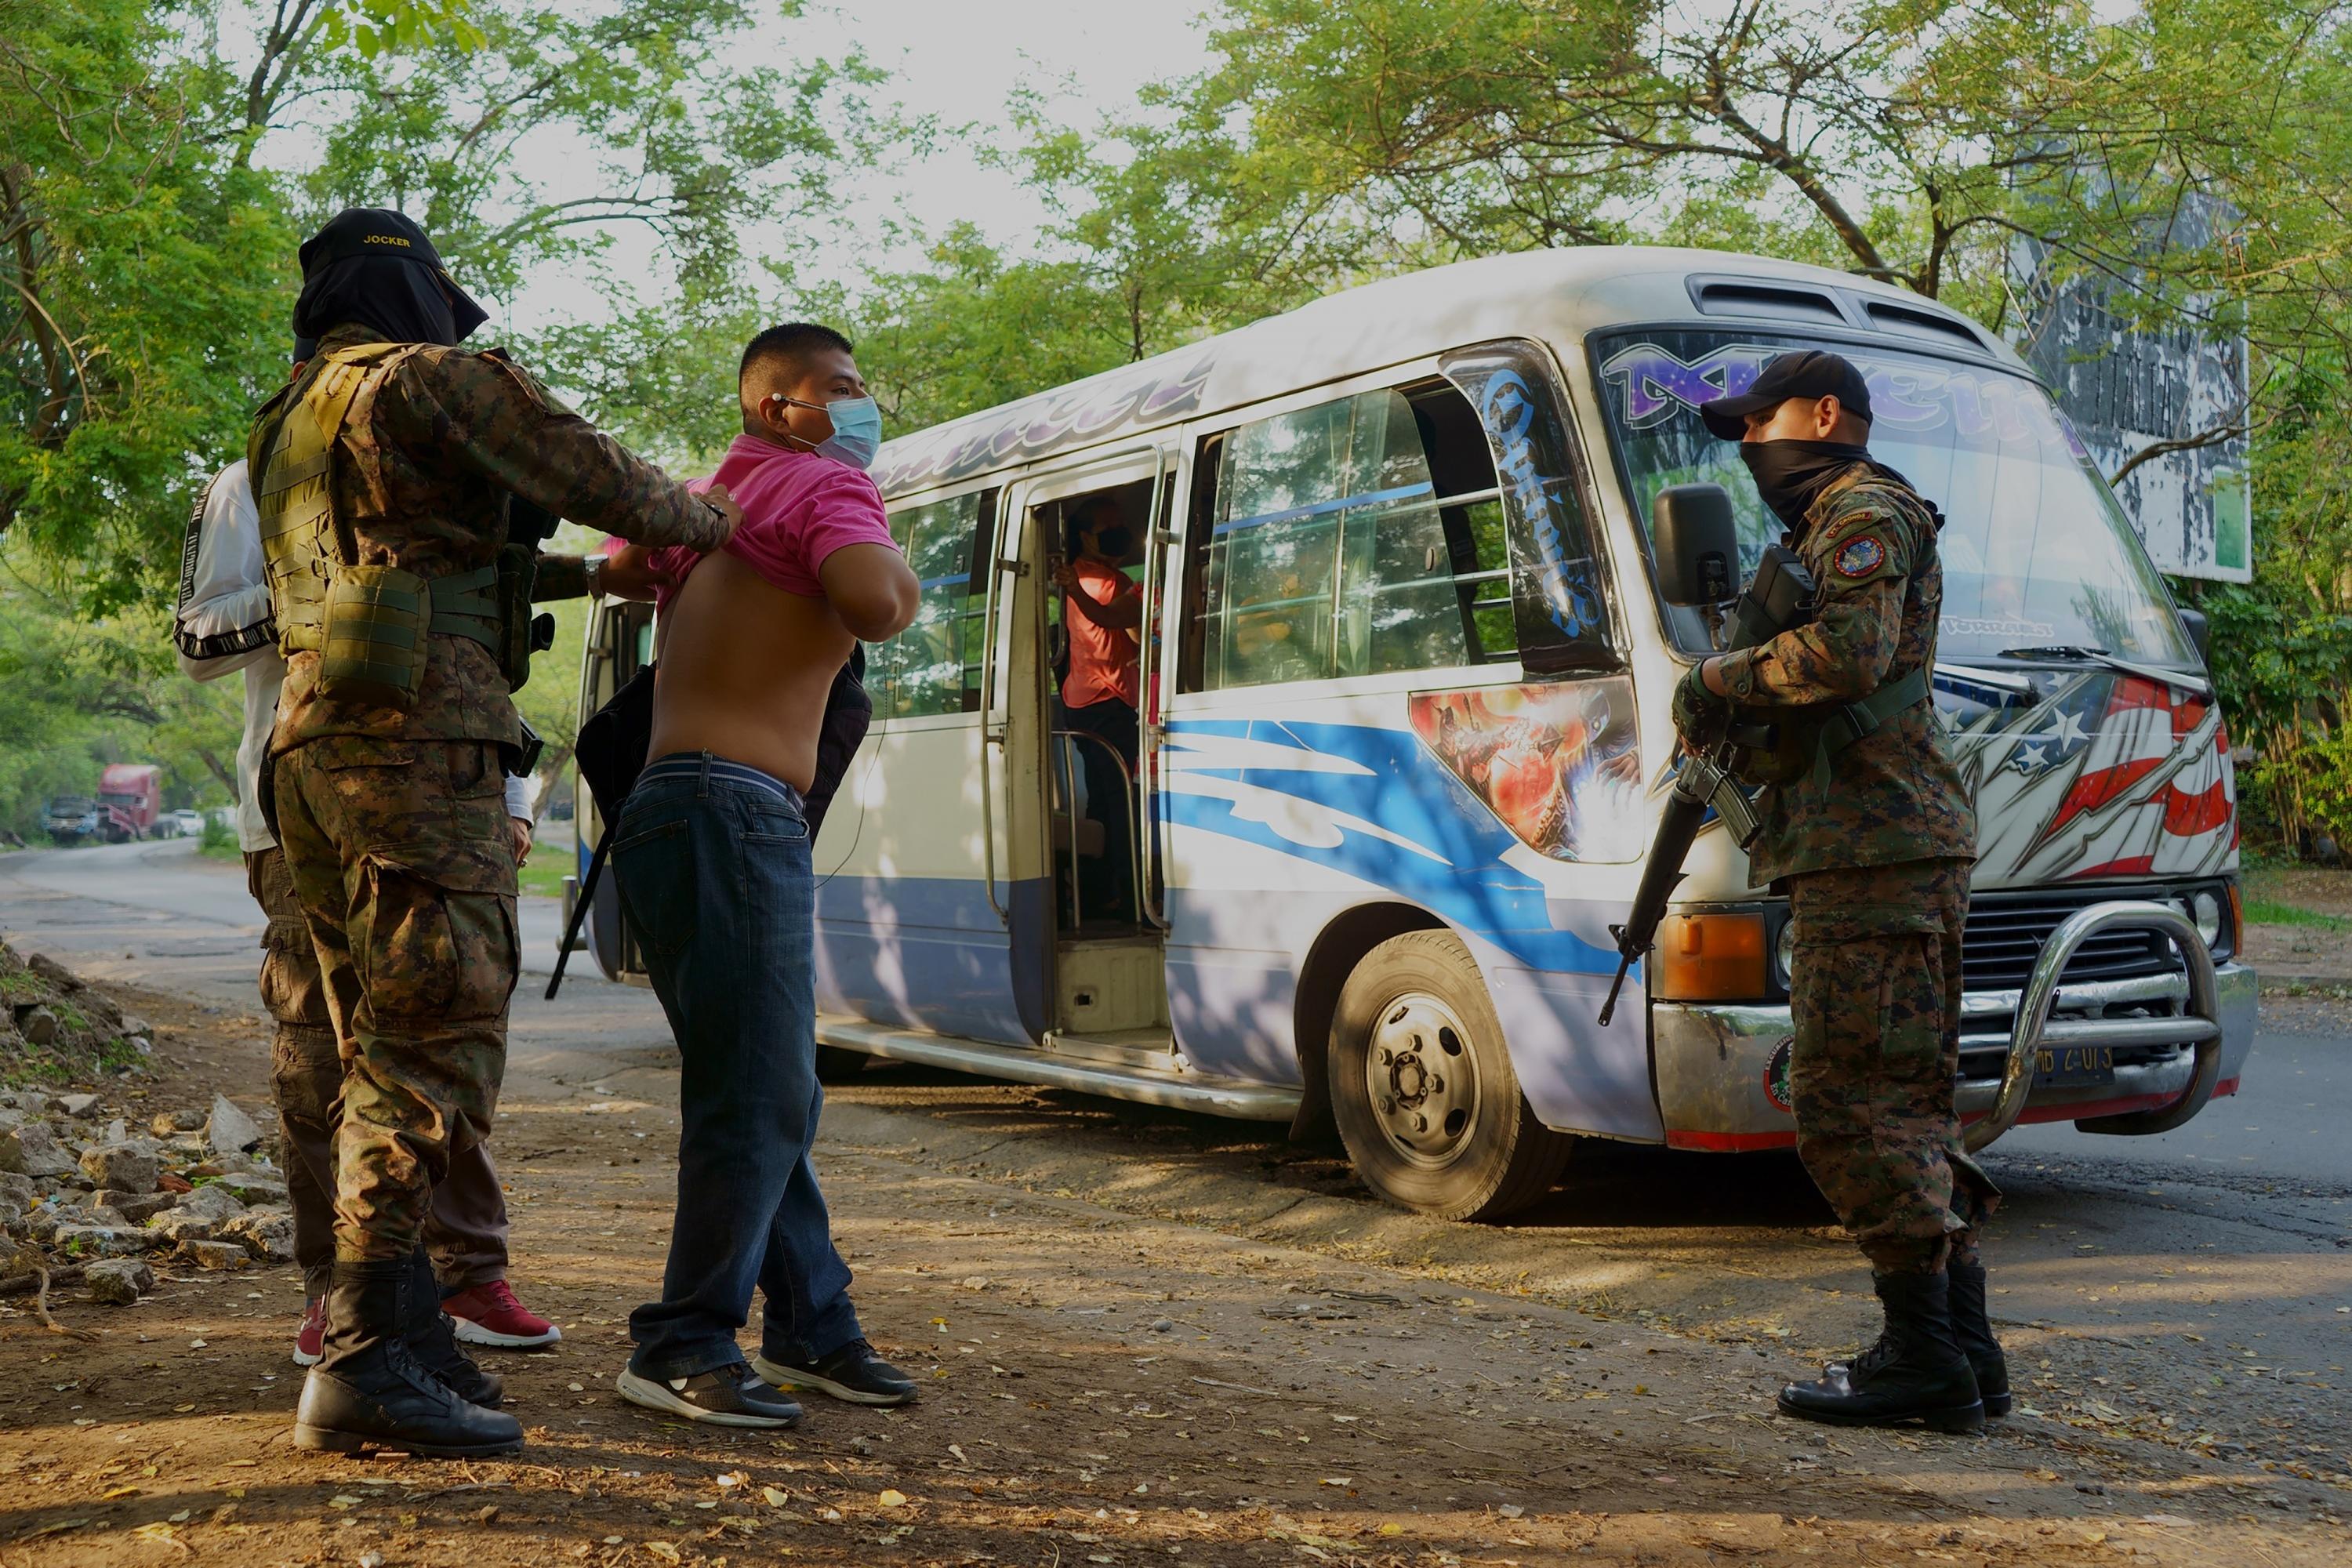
[{"x": 1102, "y": 610}]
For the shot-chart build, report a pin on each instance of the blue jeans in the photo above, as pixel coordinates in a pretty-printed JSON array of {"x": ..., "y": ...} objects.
[{"x": 713, "y": 865}]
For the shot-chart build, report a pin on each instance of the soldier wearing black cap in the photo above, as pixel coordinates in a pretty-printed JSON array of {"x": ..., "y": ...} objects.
[
  {"x": 384, "y": 474},
  {"x": 1868, "y": 828}
]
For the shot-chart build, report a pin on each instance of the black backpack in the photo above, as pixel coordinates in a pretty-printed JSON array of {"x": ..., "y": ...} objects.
[{"x": 611, "y": 751}]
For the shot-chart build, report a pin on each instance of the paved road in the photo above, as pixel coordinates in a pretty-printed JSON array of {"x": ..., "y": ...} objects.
[{"x": 2204, "y": 1277}]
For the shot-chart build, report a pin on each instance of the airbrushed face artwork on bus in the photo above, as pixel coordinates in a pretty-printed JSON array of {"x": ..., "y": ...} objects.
[
  {"x": 1556, "y": 762},
  {"x": 1036, "y": 426}
]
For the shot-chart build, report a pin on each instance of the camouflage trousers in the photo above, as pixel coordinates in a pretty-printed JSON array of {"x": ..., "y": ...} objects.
[
  {"x": 466, "y": 1232},
  {"x": 1876, "y": 997},
  {"x": 399, "y": 858}
]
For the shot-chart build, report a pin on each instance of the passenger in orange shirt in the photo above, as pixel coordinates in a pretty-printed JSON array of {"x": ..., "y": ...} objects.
[{"x": 1102, "y": 613}]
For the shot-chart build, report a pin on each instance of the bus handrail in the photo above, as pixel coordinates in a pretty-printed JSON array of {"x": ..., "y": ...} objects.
[
  {"x": 1158, "y": 540},
  {"x": 1134, "y": 834},
  {"x": 998, "y": 567}
]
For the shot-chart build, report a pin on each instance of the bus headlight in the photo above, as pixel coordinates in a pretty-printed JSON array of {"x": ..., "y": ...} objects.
[
  {"x": 2205, "y": 913},
  {"x": 1784, "y": 951},
  {"x": 1711, "y": 957}
]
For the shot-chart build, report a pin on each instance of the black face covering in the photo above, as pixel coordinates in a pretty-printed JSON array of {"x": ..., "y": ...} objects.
[
  {"x": 1789, "y": 475},
  {"x": 1113, "y": 542},
  {"x": 398, "y": 300}
]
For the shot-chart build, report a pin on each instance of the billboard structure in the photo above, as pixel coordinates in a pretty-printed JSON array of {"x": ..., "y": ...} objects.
[{"x": 2125, "y": 388}]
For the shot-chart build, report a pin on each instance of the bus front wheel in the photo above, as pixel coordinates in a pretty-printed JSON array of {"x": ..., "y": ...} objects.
[{"x": 1423, "y": 1089}]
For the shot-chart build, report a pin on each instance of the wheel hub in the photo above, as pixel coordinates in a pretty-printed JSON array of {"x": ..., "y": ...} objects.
[{"x": 1422, "y": 1079}]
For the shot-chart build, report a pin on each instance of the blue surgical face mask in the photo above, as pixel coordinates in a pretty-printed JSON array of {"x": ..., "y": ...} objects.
[{"x": 856, "y": 429}]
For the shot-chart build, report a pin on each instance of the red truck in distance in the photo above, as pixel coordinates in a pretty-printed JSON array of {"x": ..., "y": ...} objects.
[{"x": 130, "y": 803}]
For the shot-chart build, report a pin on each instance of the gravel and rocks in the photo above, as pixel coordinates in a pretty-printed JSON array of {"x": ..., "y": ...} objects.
[
  {"x": 253, "y": 1186},
  {"x": 230, "y": 1131},
  {"x": 56, "y": 1028},
  {"x": 128, "y": 1166},
  {"x": 100, "y": 1240},
  {"x": 214, "y": 1255},
  {"x": 268, "y": 1233},
  {"x": 118, "y": 1282},
  {"x": 137, "y": 1208},
  {"x": 32, "y": 1150}
]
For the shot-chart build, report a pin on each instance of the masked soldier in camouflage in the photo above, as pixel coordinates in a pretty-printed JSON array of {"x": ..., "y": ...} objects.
[
  {"x": 384, "y": 475},
  {"x": 1867, "y": 826}
]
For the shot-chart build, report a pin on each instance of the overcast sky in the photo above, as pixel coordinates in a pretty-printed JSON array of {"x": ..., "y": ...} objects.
[{"x": 959, "y": 61}]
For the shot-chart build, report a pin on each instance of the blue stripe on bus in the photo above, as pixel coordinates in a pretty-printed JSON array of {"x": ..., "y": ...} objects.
[
  {"x": 1369, "y": 498},
  {"x": 927, "y": 584},
  {"x": 1405, "y": 790}
]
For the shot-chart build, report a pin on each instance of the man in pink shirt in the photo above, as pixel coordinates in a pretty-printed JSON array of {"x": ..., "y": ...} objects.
[{"x": 711, "y": 850}]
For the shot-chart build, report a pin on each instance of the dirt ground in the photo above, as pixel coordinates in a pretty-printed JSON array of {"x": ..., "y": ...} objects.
[
  {"x": 1099, "y": 1388},
  {"x": 2302, "y": 957}
]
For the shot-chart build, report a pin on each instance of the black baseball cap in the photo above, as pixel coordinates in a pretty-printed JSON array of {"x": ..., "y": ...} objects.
[
  {"x": 1804, "y": 373},
  {"x": 382, "y": 231}
]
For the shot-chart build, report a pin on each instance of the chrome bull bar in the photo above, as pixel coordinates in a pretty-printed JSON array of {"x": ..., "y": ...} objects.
[{"x": 2199, "y": 1024}]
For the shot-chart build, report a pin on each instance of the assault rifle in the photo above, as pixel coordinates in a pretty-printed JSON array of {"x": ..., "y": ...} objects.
[{"x": 1695, "y": 545}]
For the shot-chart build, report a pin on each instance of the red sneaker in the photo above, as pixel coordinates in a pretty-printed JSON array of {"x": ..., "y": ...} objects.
[
  {"x": 490, "y": 1315},
  {"x": 310, "y": 1339}
]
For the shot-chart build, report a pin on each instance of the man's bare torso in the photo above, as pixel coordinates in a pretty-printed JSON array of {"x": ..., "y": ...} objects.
[{"x": 745, "y": 671}]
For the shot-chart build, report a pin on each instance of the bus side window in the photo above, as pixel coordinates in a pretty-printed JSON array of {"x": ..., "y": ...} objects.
[
  {"x": 933, "y": 666},
  {"x": 1557, "y": 600},
  {"x": 1355, "y": 537}
]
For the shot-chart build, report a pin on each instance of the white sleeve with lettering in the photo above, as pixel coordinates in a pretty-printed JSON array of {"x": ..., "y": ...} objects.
[{"x": 224, "y": 622}]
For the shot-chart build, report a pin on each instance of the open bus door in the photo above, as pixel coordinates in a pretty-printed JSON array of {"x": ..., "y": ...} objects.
[
  {"x": 620, "y": 643},
  {"x": 1109, "y": 991}
]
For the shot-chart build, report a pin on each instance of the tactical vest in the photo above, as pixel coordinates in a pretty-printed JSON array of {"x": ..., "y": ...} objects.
[
  {"x": 1793, "y": 743},
  {"x": 368, "y": 624},
  {"x": 1778, "y": 745}
]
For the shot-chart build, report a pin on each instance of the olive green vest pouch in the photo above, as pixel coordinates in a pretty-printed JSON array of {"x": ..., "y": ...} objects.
[
  {"x": 517, "y": 567},
  {"x": 372, "y": 633}
]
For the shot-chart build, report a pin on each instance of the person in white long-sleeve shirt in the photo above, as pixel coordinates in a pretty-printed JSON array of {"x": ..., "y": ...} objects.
[{"x": 224, "y": 625}]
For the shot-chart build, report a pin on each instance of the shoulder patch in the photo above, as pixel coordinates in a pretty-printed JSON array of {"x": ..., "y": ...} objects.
[{"x": 1860, "y": 557}]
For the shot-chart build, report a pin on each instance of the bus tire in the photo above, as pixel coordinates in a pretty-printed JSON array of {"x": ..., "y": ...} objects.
[
  {"x": 1422, "y": 1091},
  {"x": 838, "y": 1064}
]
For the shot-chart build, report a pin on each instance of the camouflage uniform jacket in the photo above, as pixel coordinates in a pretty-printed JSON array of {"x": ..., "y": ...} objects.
[
  {"x": 423, "y": 469},
  {"x": 1895, "y": 794}
]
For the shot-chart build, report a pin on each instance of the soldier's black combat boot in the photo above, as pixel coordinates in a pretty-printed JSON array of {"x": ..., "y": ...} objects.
[
  {"x": 369, "y": 1390},
  {"x": 433, "y": 1339},
  {"x": 1916, "y": 1372},
  {"x": 1973, "y": 1331}
]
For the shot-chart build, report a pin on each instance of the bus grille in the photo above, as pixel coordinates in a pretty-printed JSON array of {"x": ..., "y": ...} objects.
[{"x": 2007, "y": 931}]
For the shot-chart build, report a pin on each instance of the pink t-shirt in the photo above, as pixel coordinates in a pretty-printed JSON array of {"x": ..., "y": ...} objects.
[{"x": 798, "y": 509}]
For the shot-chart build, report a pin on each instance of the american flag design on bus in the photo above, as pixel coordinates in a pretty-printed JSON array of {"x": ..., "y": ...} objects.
[{"x": 2107, "y": 775}]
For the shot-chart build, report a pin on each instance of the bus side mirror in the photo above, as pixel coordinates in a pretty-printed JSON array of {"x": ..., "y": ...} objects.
[
  {"x": 1695, "y": 543},
  {"x": 2201, "y": 634}
]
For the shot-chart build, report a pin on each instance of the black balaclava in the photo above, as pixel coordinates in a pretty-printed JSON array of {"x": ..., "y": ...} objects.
[
  {"x": 1792, "y": 475},
  {"x": 377, "y": 268}
]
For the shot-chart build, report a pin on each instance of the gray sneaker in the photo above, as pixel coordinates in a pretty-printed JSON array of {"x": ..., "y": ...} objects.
[{"x": 730, "y": 1396}]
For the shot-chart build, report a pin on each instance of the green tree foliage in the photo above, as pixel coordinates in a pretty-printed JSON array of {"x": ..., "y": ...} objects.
[
  {"x": 141, "y": 287},
  {"x": 153, "y": 186},
  {"x": 159, "y": 163},
  {"x": 78, "y": 692}
]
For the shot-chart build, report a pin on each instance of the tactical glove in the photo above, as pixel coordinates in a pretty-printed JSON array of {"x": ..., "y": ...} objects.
[{"x": 1701, "y": 717}]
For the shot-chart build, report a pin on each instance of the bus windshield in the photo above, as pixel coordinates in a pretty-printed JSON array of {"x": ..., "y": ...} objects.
[{"x": 2036, "y": 552}]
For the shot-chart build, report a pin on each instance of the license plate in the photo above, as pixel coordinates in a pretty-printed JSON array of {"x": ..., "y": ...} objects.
[{"x": 2063, "y": 1065}]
